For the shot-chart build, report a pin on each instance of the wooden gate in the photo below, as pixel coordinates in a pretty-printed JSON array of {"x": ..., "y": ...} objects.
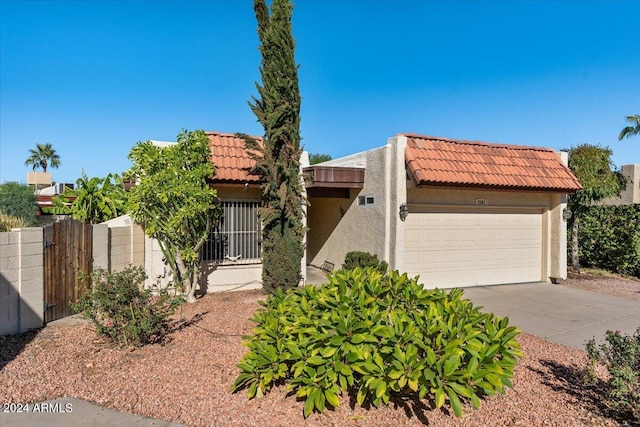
[{"x": 67, "y": 255}]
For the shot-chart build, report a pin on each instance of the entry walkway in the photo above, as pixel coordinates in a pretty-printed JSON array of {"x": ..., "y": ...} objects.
[{"x": 557, "y": 313}]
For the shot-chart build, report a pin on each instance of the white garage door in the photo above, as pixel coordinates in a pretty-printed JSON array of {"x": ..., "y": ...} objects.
[{"x": 456, "y": 249}]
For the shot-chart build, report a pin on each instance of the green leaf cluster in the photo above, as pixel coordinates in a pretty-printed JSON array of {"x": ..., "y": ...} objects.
[
  {"x": 609, "y": 238},
  {"x": 277, "y": 155},
  {"x": 93, "y": 200},
  {"x": 620, "y": 354},
  {"x": 315, "y": 158},
  {"x": 594, "y": 169},
  {"x": 361, "y": 259},
  {"x": 19, "y": 201},
  {"x": 122, "y": 311},
  {"x": 376, "y": 337},
  {"x": 42, "y": 156}
]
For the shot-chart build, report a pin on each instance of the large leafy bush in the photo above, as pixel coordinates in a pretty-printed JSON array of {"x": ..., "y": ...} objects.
[
  {"x": 609, "y": 238},
  {"x": 122, "y": 311},
  {"x": 376, "y": 336},
  {"x": 19, "y": 201},
  {"x": 620, "y": 354}
]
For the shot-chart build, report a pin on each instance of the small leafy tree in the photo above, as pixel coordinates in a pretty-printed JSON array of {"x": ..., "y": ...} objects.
[
  {"x": 174, "y": 203},
  {"x": 593, "y": 167},
  {"x": 315, "y": 158},
  {"x": 278, "y": 156},
  {"x": 42, "y": 156},
  {"x": 19, "y": 201},
  {"x": 632, "y": 130},
  {"x": 96, "y": 199}
]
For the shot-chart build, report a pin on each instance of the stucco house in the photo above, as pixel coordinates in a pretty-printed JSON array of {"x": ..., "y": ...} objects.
[{"x": 457, "y": 213}]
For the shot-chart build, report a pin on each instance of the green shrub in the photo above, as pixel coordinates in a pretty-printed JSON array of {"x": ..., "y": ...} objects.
[
  {"x": 7, "y": 222},
  {"x": 376, "y": 336},
  {"x": 360, "y": 259},
  {"x": 18, "y": 200},
  {"x": 281, "y": 255},
  {"x": 620, "y": 354},
  {"x": 123, "y": 312},
  {"x": 609, "y": 238}
]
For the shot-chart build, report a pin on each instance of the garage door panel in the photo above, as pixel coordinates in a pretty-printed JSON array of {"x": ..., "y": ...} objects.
[{"x": 473, "y": 248}]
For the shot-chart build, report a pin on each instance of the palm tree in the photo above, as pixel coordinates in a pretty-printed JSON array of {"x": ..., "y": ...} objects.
[
  {"x": 42, "y": 156},
  {"x": 634, "y": 129}
]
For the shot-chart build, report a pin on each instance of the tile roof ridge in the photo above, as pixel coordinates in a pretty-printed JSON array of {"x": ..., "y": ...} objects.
[
  {"x": 476, "y": 143},
  {"x": 229, "y": 134}
]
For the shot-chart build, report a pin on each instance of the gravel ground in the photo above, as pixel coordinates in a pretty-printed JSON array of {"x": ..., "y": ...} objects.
[{"x": 187, "y": 380}]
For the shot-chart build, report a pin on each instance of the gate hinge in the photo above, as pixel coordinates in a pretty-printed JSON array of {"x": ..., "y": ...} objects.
[
  {"x": 46, "y": 244},
  {"x": 46, "y": 306}
]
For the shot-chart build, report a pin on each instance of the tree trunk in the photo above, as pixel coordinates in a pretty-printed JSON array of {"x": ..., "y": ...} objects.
[
  {"x": 575, "y": 260},
  {"x": 187, "y": 280}
]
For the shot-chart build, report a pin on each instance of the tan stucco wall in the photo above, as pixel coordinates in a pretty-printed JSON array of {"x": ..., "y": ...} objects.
[
  {"x": 337, "y": 226},
  {"x": 462, "y": 197},
  {"x": 631, "y": 193},
  {"x": 239, "y": 193}
]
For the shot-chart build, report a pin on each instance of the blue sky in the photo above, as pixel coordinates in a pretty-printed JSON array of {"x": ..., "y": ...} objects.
[{"x": 94, "y": 77}]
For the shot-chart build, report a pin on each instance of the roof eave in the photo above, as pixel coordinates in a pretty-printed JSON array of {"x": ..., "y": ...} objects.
[{"x": 425, "y": 184}]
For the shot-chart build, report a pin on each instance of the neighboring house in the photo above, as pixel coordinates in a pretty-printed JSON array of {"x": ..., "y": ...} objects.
[
  {"x": 44, "y": 196},
  {"x": 631, "y": 193},
  {"x": 474, "y": 213}
]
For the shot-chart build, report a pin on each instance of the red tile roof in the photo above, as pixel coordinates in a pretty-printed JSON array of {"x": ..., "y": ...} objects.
[
  {"x": 230, "y": 159},
  {"x": 447, "y": 162}
]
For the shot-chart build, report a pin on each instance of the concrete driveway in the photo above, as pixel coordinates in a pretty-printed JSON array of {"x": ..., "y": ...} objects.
[{"x": 556, "y": 313}]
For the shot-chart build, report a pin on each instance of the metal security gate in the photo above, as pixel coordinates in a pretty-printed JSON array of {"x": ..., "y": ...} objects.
[
  {"x": 67, "y": 256},
  {"x": 235, "y": 238}
]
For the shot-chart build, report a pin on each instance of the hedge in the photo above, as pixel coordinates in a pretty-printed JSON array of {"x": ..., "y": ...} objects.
[{"x": 609, "y": 238}]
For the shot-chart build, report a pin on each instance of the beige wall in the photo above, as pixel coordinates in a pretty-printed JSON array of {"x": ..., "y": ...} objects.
[
  {"x": 631, "y": 193},
  {"x": 232, "y": 277},
  {"x": 39, "y": 179},
  {"x": 21, "y": 280},
  {"x": 232, "y": 193},
  {"x": 118, "y": 245}
]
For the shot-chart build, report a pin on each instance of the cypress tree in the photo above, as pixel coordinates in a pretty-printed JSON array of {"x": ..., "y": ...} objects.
[{"x": 278, "y": 156}]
